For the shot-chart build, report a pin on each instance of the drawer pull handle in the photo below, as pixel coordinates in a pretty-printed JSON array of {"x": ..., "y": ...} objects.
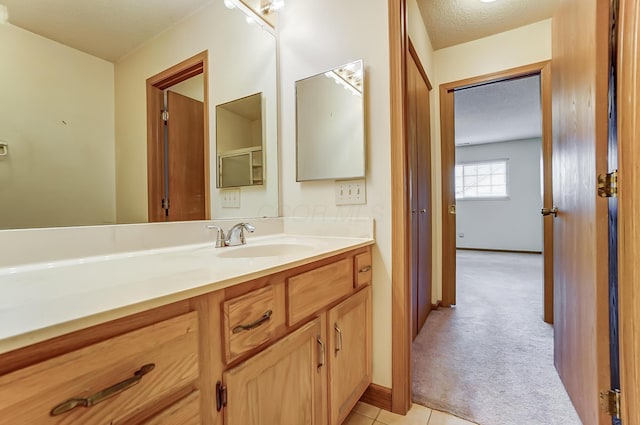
[
  {"x": 100, "y": 396},
  {"x": 339, "y": 341},
  {"x": 265, "y": 317},
  {"x": 365, "y": 269},
  {"x": 322, "y": 353}
]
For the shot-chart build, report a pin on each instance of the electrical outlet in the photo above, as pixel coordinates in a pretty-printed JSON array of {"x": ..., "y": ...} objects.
[
  {"x": 351, "y": 192},
  {"x": 230, "y": 198}
]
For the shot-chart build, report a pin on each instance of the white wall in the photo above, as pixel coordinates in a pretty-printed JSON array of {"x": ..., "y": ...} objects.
[
  {"x": 521, "y": 46},
  {"x": 510, "y": 224},
  {"x": 57, "y": 114},
  {"x": 315, "y": 37},
  {"x": 242, "y": 61}
]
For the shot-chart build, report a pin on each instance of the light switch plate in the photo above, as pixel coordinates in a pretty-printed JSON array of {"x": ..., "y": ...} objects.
[
  {"x": 351, "y": 192},
  {"x": 230, "y": 198}
]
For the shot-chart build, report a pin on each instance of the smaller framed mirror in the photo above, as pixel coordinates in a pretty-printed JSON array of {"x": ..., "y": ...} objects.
[
  {"x": 330, "y": 124},
  {"x": 239, "y": 142}
]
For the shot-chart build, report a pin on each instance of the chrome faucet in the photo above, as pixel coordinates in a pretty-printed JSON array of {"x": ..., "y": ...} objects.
[{"x": 235, "y": 235}]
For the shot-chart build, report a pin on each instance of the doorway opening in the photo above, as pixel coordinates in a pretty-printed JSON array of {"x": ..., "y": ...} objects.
[
  {"x": 490, "y": 358},
  {"x": 178, "y": 184}
]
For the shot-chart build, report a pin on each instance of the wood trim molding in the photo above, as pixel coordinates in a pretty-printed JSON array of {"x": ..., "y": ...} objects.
[
  {"x": 447, "y": 163},
  {"x": 195, "y": 65},
  {"x": 547, "y": 189},
  {"x": 511, "y": 251},
  {"x": 629, "y": 208},
  {"x": 418, "y": 62},
  {"x": 401, "y": 290},
  {"x": 378, "y": 396}
]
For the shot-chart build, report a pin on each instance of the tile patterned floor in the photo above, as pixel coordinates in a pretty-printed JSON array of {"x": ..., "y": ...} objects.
[{"x": 365, "y": 414}]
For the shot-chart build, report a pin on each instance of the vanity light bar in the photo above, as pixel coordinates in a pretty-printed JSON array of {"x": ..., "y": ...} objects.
[{"x": 252, "y": 16}]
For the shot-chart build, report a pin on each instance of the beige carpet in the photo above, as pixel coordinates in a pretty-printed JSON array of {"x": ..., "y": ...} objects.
[{"x": 490, "y": 358}]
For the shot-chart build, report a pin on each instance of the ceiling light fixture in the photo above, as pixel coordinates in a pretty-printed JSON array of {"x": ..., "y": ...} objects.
[
  {"x": 251, "y": 16},
  {"x": 272, "y": 6},
  {"x": 487, "y": 1}
]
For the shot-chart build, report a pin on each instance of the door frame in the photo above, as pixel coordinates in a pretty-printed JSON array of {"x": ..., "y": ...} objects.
[
  {"x": 447, "y": 142},
  {"x": 195, "y": 65},
  {"x": 629, "y": 208}
]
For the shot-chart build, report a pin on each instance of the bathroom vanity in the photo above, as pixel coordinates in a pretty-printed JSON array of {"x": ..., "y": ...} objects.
[{"x": 283, "y": 340}]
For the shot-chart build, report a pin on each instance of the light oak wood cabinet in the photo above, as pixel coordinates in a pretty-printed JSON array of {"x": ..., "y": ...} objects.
[
  {"x": 282, "y": 384},
  {"x": 289, "y": 348},
  {"x": 350, "y": 353}
]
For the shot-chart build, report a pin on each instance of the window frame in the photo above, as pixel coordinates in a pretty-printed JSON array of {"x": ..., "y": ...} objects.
[{"x": 505, "y": 197}]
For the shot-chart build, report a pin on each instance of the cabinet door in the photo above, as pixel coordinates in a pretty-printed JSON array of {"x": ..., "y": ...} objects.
[
  {"x": 282, "y": 385},
  {"x": 350, "y": 354}
]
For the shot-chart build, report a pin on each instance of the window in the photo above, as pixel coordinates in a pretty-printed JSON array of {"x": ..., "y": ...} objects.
[{"x": 481, "y": 180}]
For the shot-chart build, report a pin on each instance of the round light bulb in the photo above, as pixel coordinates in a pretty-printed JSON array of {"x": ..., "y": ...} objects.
[
  {"x": 229, "y": 4},
  {"x": 487, "y": 1}
]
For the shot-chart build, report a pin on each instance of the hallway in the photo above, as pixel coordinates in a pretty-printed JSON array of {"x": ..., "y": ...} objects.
[{"x": 490, "y": 358}]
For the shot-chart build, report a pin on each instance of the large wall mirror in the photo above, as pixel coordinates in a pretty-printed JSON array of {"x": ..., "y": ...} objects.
[
  {"x": 330, "y": 124},
  {"x": 73, "y": 107}
]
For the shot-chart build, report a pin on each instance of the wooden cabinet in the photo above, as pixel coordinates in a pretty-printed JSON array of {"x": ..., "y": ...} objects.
[
  {"x": 350, "y": 359},
  {"x": 107, "y": 382},
  {"x": 183, "y": 412},
  {"x": 282, "y": 384},
  {"x": 289, "y": 348}
]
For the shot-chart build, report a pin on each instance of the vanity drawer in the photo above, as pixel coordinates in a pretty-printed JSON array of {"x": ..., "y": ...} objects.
[
  {"x": 362, "y": 269},
  {"x": 252, "y": 319},
  {"x": 30, "y": 395},
  {"x": 183, "y": 412},
  {"x": 313, "y": 290}
]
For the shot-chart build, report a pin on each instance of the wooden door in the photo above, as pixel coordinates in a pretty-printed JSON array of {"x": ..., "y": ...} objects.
[
  {"x": 350, "y": 353},
  {"x": 448, "y": 211},
  {"x": 155, "y": 155},
  {"x": 282, "y": 384},
  {"x": 629, "y": 208},
  {"x": 419, "y": 158},
  {"x": 579, "y": 73},
  {"x": 185, "y": 158}
]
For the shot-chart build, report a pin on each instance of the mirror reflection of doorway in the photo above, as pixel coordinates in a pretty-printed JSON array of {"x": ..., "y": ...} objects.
[{"x": 177, "y": 143}]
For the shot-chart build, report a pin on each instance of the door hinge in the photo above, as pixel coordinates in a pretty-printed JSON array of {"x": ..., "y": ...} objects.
[
  {"x": 608, "y": 185},
  {"x": 221, "y": 396},
  {"x": 610, "y": 402},
  {"x": 165, "y": 115},
  {"x": 165, "y": 204}
]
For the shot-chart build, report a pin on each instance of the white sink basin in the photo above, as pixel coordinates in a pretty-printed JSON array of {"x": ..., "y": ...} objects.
[{"x": 264, "y": 250}]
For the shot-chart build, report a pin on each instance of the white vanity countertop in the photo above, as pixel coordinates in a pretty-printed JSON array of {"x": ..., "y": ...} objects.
[{"x": 45, "y": 300}]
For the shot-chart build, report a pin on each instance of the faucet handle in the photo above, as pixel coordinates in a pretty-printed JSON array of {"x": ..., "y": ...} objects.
[{"x": 220, "y": 239}]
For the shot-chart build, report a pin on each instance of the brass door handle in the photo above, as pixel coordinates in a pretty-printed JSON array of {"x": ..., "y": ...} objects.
[
  {"x": 339, "y": 340},
  {"x": 265, "y": 317},
  {"x": 323, "y": 361},
  {"x": 101, "y": 396},
  {"x": 546, "y": 211}
]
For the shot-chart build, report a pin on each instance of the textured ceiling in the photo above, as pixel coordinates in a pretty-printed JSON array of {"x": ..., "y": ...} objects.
[
  {"x": 498, "y": 112},
  {"x": 451, "y": 22},
  {"x": 108, "y": 29}
]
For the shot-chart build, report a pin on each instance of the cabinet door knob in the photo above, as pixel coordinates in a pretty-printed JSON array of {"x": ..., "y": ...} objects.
[
  {"x": 339, "y": 337},
  {"x": 323, "y": 360}
]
